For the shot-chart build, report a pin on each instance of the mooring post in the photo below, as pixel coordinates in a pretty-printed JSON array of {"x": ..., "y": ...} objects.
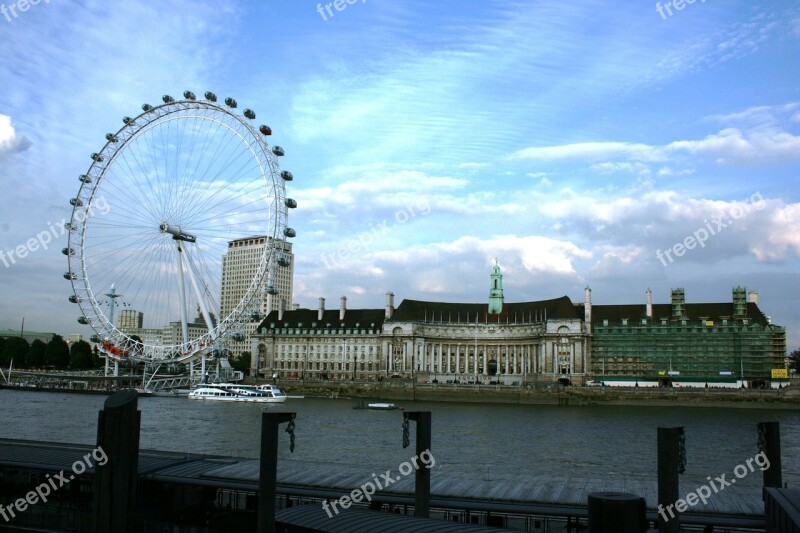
[
  {"x": 616, "y": 512},
  {"x": 422, "y": 479},
  {"x": 769, "y": 443},
  {"x": 669, "y": 466},
  {"x": 116, "y": 481},
  {"x": 268, "y": 472}
]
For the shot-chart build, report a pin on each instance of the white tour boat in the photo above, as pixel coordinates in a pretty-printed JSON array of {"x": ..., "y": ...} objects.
[{"x": 234, "y": 392}]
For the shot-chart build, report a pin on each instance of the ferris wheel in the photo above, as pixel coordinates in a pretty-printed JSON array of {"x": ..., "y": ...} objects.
[{"x": 152, "y": 222}]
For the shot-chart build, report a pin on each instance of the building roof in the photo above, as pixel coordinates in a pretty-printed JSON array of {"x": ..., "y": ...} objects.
[
  {"x": 418, "y": 311},
  {"x": 292, "y": 319},
  {"x": 704, "y": 311}
]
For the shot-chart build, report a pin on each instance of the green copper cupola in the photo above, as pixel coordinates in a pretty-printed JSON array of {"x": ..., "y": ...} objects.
[{"x": 496, "y": 291}]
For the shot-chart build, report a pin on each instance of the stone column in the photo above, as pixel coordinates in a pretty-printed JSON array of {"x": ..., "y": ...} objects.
[{"x": 448, "y": 359}]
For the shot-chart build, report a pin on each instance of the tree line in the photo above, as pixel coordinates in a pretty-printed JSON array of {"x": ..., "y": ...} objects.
[{"x": 57, "y": 354}]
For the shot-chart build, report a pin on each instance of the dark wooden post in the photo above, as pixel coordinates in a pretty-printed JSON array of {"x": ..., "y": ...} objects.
[
  {"x": 116, "y": 482},
  {"x": 668, "y": 470},
  {"x": 422, "y": 480},
  {"x": 268, "y": 473},
  {"x": 770, "y": 438},
  {"x": 617, "y": 512}
]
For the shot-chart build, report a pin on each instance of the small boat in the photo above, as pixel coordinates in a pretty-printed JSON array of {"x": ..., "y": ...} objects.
[{"x": 378, "y": 406}]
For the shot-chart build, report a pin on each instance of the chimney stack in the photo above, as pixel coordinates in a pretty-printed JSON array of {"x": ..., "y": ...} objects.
[
  {"x": 389, "y": 305},
  {"x": 649, "y": 304},
  {"x": 587, "y": 305},
  {"x": 342, "y": 307},
  {"x": 752, "y": 297},
  {"x": 321, "y": 309}
]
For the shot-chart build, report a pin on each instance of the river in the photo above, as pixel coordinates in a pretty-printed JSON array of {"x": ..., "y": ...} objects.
[{"x": 493, "y": 441}]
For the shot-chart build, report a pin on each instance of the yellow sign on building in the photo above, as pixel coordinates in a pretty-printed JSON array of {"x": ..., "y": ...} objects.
[{"x": 780, "y": 373}]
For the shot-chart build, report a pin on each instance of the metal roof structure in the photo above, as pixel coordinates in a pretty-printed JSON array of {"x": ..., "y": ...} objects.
[
  {"x": 540, "y": 495},
  {"x": 315, "y": 518}
]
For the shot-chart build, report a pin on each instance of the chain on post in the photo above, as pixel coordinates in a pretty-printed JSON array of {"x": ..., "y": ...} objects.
[
  {"x": 762, "y": 437},
  {"x": 290, "y": 431},
  {"x": 406, "y": 440},
  {"x": 682, "y": 452}
]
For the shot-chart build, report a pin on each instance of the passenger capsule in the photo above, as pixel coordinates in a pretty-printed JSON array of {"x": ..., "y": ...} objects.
[
  {"x": 83, "y": 178},
  {"x": 68, "y": 226},
  {"x": 277, "y": 150},
  {"x": 283, "y": 261},
  {"x": 272, "y": 290},
  {"x": 127, "y": 120},
  {"x": 72, "y": 298},
  {"x": 238, "y": 336},
  {"x": 265, "y": 130},
  {"x": 230, "y": 102},
  {"x": 83, "y": 320},
  {"x": 110, "y": 137},
  {"x": 68, "y": 251},
  {"x": 95, "y": 338},
  {"x": 69, "y": 275},
  {"x": 249, "y": 113},
  {"x": 75, "y": 202},
  {"x": 289, "y": 232},
  {"x": 97, "y": 157},
  {"x": 287, "y": 176},
  {"x": 189, "y": 95},
  {"x": 291, "y": 203},
  {"x": 167, "y": 99},
  {"x": 211, "y": 97},
  {"x": 147, "y": 108}
]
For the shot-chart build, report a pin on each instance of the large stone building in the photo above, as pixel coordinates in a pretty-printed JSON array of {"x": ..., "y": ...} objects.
[
  {"x": 720, "y": 344},
  {"x": 239, "y": 268},
  {"x": 550, "y": 341}
]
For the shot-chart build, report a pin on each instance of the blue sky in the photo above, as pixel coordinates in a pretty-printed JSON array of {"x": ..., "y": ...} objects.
[{"x": 572, "y": 141}]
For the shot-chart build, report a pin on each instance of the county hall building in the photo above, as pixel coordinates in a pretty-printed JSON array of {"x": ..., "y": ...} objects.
[{"x": 556, "y": 340}]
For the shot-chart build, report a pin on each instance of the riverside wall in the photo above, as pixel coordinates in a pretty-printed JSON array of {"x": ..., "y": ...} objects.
[{"x": 788, "y": 398}]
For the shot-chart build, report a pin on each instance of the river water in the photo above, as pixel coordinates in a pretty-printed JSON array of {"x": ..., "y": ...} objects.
[{"x": 492, "y": 441}]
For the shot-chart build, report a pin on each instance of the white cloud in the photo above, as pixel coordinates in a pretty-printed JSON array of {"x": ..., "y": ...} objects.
[
  {"x": 590, "y": 151},
  {"x": 11, "y": 141},
  {"x": 636, "y": 168},
  {"x": 729, "y": 146}
]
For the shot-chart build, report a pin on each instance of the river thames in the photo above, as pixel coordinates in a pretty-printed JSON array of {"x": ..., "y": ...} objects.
[{"x": 492, "y": 441}]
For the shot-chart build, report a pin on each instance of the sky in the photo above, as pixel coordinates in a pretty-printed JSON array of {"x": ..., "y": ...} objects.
[{"x": 591, "y": 143}]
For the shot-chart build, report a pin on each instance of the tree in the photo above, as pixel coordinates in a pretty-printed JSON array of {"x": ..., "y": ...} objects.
[
  {"x": 35, "y": 356},
  {"x": 794, "y": 360},
  {"x": 97, "y": 361},
  {"x": 14, "y": 349},
  {"x": 80, "y": 356},
  {"x": 57, "y": 352},
  {"x": 242, "y": 362}
]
